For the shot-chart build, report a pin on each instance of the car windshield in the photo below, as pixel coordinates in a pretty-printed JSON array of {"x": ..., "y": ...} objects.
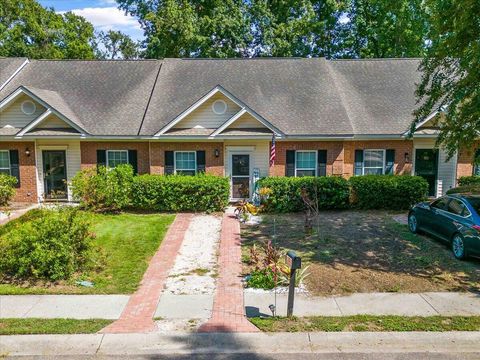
[{"x": 475, "y": 202}]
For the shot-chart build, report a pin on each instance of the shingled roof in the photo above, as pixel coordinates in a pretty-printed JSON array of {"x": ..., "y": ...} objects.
[{"x": 300, "y": 97}]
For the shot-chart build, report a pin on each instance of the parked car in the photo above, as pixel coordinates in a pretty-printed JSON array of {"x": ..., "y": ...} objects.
[{"x": 453, "y": 218}]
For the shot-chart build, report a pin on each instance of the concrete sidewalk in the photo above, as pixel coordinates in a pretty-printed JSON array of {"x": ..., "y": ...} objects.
[
  {"x": 418, "y": 304},
  {"x": 236, "y": 343}
]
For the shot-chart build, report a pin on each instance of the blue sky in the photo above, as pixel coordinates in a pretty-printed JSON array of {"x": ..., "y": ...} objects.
[{"x": 103, "y": 14}]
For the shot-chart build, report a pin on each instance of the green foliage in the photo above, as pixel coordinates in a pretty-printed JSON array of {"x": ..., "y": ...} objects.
[
  {"x": 52, "y": 247},
  {"x": 180, "y": 193},
  {"x": 262, "y": 279},
  {"x": 450, "y": 72},
  {"x": 24, "y": 326},
  {"x": 116, "y": 45},
  {"x": 466, "y": 189},
  {"x": 469, "y": 180},
  {"x": 332, "y": 192},
  {"x": 387, "y": 191},
  {"x": 28, "y": 29},
  {"x": 104, "y": 189},
  {"x": 7, "y": 188}
]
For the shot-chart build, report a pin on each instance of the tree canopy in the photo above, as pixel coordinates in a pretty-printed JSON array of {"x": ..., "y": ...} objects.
[{"x": 116, "y": 45}]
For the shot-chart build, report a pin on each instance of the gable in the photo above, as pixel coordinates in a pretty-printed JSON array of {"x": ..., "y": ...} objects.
[
  {"x": 13, "y": 116},
  {"x": 53, "y": 122},
  {"x": 246, "y": 121},
  {"x": 205, "y": 117}
]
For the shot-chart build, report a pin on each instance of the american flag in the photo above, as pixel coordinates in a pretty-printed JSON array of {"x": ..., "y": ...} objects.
[{"x": 272, "y": 151}]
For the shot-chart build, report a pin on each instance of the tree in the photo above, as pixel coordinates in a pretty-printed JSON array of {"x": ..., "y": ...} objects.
[
  {"x": 451, "y": 72},
  {"x": 116, "y": 45},
  {"x": 28, "y": 29},
  {"x": 387, "y": 29}
]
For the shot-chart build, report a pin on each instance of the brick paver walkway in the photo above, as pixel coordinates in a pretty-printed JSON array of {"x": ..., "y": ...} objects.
[
  {"x": 228, "y": 313},
  {"x": 138, "y": 314}
]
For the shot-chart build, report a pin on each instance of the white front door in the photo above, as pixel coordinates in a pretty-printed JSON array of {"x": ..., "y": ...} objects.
[{"x": 240, "y": 176}]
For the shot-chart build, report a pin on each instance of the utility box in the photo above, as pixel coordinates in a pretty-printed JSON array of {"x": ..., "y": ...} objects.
[{"x": 293, "y": 261}]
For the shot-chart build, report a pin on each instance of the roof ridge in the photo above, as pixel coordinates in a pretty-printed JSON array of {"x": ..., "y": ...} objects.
[{"x": 379, "y": 59}]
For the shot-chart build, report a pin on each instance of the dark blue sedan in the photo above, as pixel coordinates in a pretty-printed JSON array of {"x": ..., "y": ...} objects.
[{"x": 451, "y": 218}]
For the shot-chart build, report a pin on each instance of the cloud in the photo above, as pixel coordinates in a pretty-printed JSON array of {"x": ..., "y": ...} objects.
[{"x": 108, "y": 18}]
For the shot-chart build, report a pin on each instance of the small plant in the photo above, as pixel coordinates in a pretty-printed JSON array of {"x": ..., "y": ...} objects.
[
  {"x": 244, "y": 209},
  {"x": 7, "y": 188},
  {"x": 262, "y": 279},
  {"x": 300, "y": 276}
]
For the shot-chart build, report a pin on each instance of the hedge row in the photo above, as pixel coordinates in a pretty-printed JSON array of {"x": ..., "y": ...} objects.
[
  {"x": 469, "y": 180},
  {"x": 363, "y": 192}
]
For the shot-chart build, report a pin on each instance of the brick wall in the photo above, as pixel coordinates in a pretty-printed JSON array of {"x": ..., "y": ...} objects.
[
  {"x": 214, "y": 165},
  {"x": 27, "y": 192},
  {"x": 401, "y": 147},
  {"x": 465, "y": 161},
  {"x": 334, "y": 155},
  {"x": 89, "y": 153}
]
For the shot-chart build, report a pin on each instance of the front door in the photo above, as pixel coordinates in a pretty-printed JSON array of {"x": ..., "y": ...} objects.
[
  {"x": 55, "y": 174},
  {"x": 426, "y": 166},
  {"x": 240, "y": 176}
]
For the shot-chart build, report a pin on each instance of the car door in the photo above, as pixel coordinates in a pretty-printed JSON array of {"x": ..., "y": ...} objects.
[
  {"x": 433, "y": 218},
  {"x": 456, "y": 218}
]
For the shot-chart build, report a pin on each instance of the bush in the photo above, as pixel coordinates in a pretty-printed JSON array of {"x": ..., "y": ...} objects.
[
  {"x": 262, "y": 279},
  {"x": 285, "y": 196},
  {"x": 467, "y": 189},
  {"x": 104, "y": 189},
  {"x": 387, "y": 191},
  {"x": 7, "y": 188},
  {"x": 180, "y": 193},
  {"x": 469, "y": 180},
  {"x": 52, "y": 247}
]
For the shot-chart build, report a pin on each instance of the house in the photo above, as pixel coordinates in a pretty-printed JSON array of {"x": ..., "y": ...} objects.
[{"x": 328, "y": 117}]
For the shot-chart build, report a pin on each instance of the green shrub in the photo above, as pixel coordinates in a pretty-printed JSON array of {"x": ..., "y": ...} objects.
[
  {"x": 180, "y": 193},
  {"x": 104, "y": 189},
  {"x": 466, "y": 189},
  {"x": 7, "y": 188},
  {"x": 469, "y": 180},
  {"x": 387, "y": 191},
  {"x": 333, "y": 192},
  {"x": 261, "y": 279},
  {"x": 51, "y": 247}
]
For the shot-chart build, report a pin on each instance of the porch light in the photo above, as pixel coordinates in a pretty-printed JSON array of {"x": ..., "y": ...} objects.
[
  {"x": 27, "y": 151},
  {"x": 407, "y": 157},
  {"x": 217, "y": 153}
]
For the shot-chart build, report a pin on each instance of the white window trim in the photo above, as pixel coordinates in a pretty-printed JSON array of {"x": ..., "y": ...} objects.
[
  {"x": 175, "y": 161},
  {"x": 384, "y": 151},
  {"x": 9, "y": 164},
  {"x": 113, "y": 150},
  {"x": 316, "y": 161}
]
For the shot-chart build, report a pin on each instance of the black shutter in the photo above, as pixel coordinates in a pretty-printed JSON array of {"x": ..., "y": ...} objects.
[
  {"x": 476, "y": 163},
  {"x": 322, "y": 163},
  {"x": 169, "y": 159},
  {"x": 132, "y": 160},
  {"x": 101, "y": 158},
  {"x": 290, "y": 168},
  {"x": 201, "y": 161},
  {"x": 389, "y": 161},
  {"x": 358, "y": 162},
  {"x": 15, "y": 166}
]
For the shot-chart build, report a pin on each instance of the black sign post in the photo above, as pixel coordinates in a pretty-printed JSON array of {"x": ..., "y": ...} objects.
[{"x": 295, "y": 263}]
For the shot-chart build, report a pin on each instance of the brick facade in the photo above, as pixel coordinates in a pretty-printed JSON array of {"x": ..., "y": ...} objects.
[
  {"x": 89, "y": 153},
  {"x": 465, "y": 161},
  {"x": 27, "y": 192},
  {"x": 214, "y": 165}
]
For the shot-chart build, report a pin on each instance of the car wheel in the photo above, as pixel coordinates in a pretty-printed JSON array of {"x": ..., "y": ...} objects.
[
  {"x": 458, "y": 247},
  {"x": 412, "y": 223}
]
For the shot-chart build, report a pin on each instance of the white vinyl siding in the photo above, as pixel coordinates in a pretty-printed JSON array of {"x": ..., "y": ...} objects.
[
  {"x": 5, "y": 162},
  {"x": 246, "y": 121},
  {"x": 185, "y": 162},
  {"x": 51, "y": 122},
  {"x": 116, "y": 157},
  {"x": 12, "y": 114},
  {"x": 305, "y": 163},
  {"x": 373, "y": 162},
  {"x": 72, "y": 149},
  {"x": 259, "y": 151},
  {"x": 204, "y": 117}
]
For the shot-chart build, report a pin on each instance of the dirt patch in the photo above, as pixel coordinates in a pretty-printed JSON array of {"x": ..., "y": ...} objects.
[{"x": 366, "y": 251}]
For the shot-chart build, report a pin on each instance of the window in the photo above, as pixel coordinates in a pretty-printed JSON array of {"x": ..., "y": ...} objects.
[
  {"x": 28, "y": 107},
  {"x": 116, "y": 157},
  {"x": 185, "y": 162},
  {"x": 457, "y": 207},
  {"x": 475, "y": 202},
  {"x": 373, "y": 162},
  {"x": 5, "y": 162},
  {"x": 306, "y": 163},
  {"x": 476, "y": 163},
  {"x": 219, "y": 107},
  {"x": 440, "y": 203}
]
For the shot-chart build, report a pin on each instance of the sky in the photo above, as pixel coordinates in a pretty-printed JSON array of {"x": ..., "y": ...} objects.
[{"x": 103, "y": 14}]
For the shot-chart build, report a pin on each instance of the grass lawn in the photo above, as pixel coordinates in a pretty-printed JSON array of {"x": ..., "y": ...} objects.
[
  {"x": 51, "y": 326},
  {"x": 126, "y": 242},
  {"x": 368, "y": 323},
  {"x": 365, "y": 251}
]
